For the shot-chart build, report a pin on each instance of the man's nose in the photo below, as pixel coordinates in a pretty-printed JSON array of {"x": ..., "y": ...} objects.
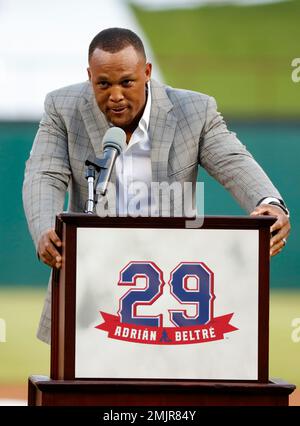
[{"x": 116, "y": 94}]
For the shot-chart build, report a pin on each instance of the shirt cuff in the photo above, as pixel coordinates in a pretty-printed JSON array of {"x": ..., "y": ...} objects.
[{"x": 276, "y": 202}]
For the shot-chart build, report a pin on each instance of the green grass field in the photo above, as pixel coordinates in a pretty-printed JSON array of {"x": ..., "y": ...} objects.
[
  {"x": 240, "y": 55},
  {"x": 23, "y": 355}
]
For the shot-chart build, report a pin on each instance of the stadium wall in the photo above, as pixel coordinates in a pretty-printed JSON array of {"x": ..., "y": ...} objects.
[{"x": 274, "y": 145}]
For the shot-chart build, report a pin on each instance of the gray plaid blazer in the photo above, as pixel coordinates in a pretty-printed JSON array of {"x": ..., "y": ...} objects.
[{"x": 185, "y": 131}]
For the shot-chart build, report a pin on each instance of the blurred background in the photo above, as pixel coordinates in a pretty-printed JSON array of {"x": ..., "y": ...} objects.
[{"x": 240, "y": 52}]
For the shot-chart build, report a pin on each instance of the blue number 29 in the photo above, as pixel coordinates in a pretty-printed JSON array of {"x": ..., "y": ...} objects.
[{"x": 200, "y": 296}]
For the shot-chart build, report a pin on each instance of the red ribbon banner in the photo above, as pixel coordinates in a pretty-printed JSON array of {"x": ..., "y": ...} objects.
[{"x": 214, "y": 330}]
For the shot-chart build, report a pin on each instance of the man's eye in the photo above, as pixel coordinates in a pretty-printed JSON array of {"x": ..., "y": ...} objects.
[
  {"x": 103, "y": 84},
  {"x": 127, "y": 83}
]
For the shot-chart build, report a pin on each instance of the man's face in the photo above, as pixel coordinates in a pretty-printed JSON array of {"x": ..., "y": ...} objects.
[{"x": 119, "y": 83}]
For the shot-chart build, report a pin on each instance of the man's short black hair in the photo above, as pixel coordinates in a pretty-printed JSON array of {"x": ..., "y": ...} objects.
[{"x": 115, "y": 39}]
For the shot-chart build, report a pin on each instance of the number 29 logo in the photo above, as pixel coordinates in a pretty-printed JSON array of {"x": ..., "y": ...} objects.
[
  {"x": 130, "y": 326},
  {"x": 202, "y": 297}
]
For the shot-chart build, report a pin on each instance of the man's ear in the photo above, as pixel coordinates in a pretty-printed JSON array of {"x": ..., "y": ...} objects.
[
  {"x": 148, "y": 70},
  {"x": 89, "y": 73}
]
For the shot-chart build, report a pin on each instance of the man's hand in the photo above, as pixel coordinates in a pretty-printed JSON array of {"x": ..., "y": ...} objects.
[
  {"x": 281, "y": 227},
  {"x": 47, "y": 249}
]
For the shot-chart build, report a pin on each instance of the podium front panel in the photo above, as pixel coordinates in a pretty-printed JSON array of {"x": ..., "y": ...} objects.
[
  {"x": 167, "y": 303},
  {"x": 152, "y": 299}
]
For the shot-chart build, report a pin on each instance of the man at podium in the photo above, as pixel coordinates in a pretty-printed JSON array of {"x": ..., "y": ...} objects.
[{"x": 169, "y": 134}]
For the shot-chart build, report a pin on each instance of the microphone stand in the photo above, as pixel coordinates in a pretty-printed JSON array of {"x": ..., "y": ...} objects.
[
  {"x": 90, "y": 176},
  {"x": 94, "y": 164}
]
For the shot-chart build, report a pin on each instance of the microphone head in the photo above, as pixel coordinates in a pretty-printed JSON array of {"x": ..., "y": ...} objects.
[{"x": 115, "y": 137}]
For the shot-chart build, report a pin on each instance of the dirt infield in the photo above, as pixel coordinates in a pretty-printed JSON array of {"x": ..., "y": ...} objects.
[
  {"x": 19, "y": 392},
  {"x": 13, "y": 392},
  {"x": 295, "y": 398}
]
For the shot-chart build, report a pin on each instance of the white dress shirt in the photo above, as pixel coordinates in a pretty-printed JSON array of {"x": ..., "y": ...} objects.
[{"x": 133, "y": 170}]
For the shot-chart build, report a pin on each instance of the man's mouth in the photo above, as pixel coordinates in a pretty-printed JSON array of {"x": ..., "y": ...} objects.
[{"x": 118, "y": 110}]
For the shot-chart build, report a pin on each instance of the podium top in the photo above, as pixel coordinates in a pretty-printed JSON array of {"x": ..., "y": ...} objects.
[{"x": 206, "y": 222}]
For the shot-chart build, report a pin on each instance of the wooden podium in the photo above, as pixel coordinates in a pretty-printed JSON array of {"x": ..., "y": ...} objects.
[{"x": 152, "y": 312}]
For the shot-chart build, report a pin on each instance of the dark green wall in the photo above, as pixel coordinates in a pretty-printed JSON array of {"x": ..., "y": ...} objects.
[
  {"x": 18, "y": 263},
  {"x": 274, "y": 145}
]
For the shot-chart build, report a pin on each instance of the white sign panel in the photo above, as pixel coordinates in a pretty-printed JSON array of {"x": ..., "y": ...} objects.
[{"x": 167, "y": 304}]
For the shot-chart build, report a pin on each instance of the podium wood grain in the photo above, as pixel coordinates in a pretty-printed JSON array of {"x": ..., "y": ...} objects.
[{"x": 43, "y": 391}]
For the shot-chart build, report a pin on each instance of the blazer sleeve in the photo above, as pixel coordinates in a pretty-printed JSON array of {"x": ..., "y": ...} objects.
[
  {"x": 227, "y": 160},
  {"x": 47, "y": 173}
]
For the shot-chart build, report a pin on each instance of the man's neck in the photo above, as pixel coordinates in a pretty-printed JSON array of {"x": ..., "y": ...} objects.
[{"x": 132, "y": 127}]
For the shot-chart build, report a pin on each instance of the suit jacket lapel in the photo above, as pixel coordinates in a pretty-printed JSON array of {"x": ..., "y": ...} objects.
[
  {"x": 162, "y": 128},
  {"x": 95, "y": 123}
]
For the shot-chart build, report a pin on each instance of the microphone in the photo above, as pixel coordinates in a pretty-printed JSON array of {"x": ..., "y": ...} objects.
[{"x": 114, "y": 141}]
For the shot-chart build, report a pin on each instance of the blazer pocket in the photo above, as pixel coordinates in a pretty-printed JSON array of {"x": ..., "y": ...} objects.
[{"x": 184, "y": 171}]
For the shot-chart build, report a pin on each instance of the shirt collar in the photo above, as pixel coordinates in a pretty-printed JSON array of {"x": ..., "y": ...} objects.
[{"x": 144, "y": 121}]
